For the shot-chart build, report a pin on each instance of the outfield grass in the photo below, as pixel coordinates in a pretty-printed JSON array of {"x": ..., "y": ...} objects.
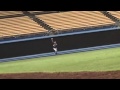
[{"x": 99, "y": 60}]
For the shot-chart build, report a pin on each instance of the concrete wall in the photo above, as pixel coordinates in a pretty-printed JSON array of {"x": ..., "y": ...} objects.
[{"x": 10, "y": 50}]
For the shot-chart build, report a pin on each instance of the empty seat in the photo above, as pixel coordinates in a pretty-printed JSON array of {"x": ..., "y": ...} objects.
[
  {"x": 5, "y": 13},
  {"x": 115, "y": 13},
  {"x": 19, "y": 26},
  {"x": 75, "y": 19}
]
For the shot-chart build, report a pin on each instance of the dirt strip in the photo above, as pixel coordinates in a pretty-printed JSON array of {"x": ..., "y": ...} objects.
[{"x": 65, "y": 75}]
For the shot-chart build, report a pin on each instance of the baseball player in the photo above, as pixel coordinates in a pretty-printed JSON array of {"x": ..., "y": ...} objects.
[{"x": 54, "y": 46}]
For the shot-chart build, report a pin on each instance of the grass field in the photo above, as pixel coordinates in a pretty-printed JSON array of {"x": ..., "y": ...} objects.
[{"x": 99, "y": 60}]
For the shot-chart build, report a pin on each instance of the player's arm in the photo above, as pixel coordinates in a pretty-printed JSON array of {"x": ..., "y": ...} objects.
[{"x": 52, "y": 40}]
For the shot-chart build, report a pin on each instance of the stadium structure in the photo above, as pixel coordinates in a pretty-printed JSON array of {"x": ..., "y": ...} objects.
[{"x": 26, "y": 34}]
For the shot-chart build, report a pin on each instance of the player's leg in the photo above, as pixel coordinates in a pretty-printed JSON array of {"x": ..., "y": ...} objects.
[{"x": 54, "y": 50}]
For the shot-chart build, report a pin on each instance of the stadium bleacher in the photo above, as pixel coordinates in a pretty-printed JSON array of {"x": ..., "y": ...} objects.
[
  {"x": 19, "y": 26},
  {"x": 23, "y": 25},
  {"x": 115, "y": 13},
  {"x": 5, "y": 13},
  {"x": 75, "y": 19}
]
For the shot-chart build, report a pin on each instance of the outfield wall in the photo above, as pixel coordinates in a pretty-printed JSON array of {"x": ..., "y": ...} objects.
[{"x": 74, "y": 41}]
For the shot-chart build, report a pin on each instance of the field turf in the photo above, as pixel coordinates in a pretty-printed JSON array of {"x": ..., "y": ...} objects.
[{"x": 98, "y": 60}]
